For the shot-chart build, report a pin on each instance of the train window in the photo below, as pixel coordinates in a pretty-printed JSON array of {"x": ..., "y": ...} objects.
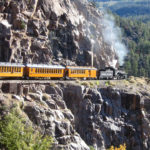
[{"x": 11, "y": 69}]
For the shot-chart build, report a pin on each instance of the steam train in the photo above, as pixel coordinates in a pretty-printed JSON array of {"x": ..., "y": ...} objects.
[{"x": 28, "y": 71}]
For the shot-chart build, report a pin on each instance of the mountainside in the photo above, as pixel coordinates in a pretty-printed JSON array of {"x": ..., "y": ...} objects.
[
  {"x": 82, "y": 114},
  {"x": 127, "y": 8},
  {"x": 53, "y": 32}
]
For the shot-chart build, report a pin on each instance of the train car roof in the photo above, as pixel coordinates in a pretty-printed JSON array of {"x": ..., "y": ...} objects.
[
  {"x": 81, "y": 67},
  {"x": 11, "y": 64},
  {"x": 45, "y": 66}
]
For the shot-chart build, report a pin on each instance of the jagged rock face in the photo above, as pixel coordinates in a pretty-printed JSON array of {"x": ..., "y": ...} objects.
[
  {"x": 105, "y": 117},
  {"x": 78, "y": 116},
  {"x": 43, "y": 31}
]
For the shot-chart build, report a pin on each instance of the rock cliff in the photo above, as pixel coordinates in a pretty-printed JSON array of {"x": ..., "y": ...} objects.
[
  {"x": 53, "y": 32},
  {"x": 78, "y": 115}
]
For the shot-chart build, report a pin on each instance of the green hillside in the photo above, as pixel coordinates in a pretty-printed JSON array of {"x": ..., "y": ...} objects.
[{"x": 139, "y": 9}]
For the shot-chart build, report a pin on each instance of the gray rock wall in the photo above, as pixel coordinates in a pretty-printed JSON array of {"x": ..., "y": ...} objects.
[
  {"x": 53, "y": 32},
  {"x": 78, "y": 116}
]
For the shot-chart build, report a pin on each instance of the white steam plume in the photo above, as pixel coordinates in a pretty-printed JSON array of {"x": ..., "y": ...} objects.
[{"x": 112, "y": 36}]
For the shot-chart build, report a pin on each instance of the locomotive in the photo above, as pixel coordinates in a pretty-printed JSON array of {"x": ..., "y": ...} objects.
[
  {"x": 112, "y": 73},
  {"x": 58, "y": 72}
]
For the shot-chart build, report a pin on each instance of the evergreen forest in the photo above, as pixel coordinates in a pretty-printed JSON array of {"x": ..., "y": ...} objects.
[{"x": 137, "y": 35}]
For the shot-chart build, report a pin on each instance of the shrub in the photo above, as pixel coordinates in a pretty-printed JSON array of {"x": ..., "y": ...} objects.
[
  {"x": 121, "y": 147},
  {"x": 85, "y": 84},
  {"x": 15, "y": 134},
  {"x": 52, "y": 84},
  {"x": 23, "y": 25},
  {"x": 91, "y": 148}
]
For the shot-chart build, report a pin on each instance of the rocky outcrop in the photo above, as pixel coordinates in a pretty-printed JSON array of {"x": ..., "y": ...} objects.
[
  {"x": 78, "y": 116},
  {"x": 53, "y": 32}
]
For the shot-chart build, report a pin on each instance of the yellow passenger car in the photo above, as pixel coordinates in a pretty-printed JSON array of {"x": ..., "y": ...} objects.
[
  {"x": 81, "y": 72},
  {"x": 11, "y": 69},
  {"x": 44, "y": 71}
]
